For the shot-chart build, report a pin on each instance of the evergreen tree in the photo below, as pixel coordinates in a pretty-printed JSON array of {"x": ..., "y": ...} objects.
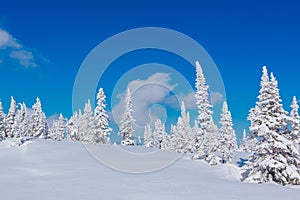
[
  {"x": 103, "y": 130},
  {"x": 205, "y": 119},
  {"x": 57, "y": 131},
  {"x": 244, "y": 145},
  {"x": 2, "y": 122},
  {"x": 161, "y": 139},
  {"x": 228, "y": 144},
  {"x": 294, "y": 121},
  {"x": 39, "y": 121},
  {"x": 88, "y": 133},
  {"x": 21, "y": 124},
  {"x": 148, "y": 137},
  {"x": 126, "y": 127},
  {"x": 10, "y": 119},
  {"x": 73, "y": 126},
  {"x": 202, "y": 99},
  {"x": 182, "y": 137},
  {"x": 275, "y": 157}
]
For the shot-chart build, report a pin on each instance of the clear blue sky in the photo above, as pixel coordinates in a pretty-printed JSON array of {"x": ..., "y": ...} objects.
[{"x": 240, "y": 36}]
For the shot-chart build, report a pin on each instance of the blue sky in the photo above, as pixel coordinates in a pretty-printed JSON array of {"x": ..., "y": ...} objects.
[{"x": 54, "y": 37}]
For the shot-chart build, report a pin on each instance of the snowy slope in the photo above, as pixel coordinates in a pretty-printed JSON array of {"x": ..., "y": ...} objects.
[{"x": 65, "y": 170}]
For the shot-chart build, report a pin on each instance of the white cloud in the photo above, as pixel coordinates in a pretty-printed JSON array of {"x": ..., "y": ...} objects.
[
  {"x": 24, "y": 57},
  {"x": 13, "y": 51},
  {"x": 154, "y": 90},
  {"x": 216, "y": 97},
  {"x": 7, "y": 40}
]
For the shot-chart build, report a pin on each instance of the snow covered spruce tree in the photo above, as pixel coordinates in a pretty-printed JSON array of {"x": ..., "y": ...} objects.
[
  {"x": 275, "y": 157},
  {"x": 21, "y": 124},
  {"x": 73, "y": 126},
  {"x": 160, "y": 136},
  {"x": 57, "y": 131},
  {"x": 244, "y": 143},
  {"x": 10, "y": 119},
  {"x": 227, "y": 144},
  {"x": 88, "y": 131},
  {"x": 148, "y": 137},
  {"x": 294, "y": 121},
  {"x": 182, "y": 137},
  {"x": 205, "y": 119},
  {"x": 2, "y": 122},
  {"x": 126, "y": 128},
  {"x": 39, "y": 121},
  {"x": 103, "y": 130}
]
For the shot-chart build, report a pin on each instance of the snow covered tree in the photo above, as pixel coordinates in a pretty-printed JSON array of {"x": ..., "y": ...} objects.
[
  {"x": 294, "y": 121},
  {"x": 202, "y": 99},
  {"x": 103, "y": 130},
  {"x": 126, "y": 128},
  {"x": 205, "y": 119},
  {"x": 88, "y": 131},
  {"x": 161, "y": 138},
  {"x": 2, "y": 122},
  {"x": 228, "y": 144},
  {"x": 57, "y": 131},
  {"x": 21, "y": 124},
  {"x": 148, "y": 137},
  {"x": 244, "y": 143},
  {"x": 275, "y": 157},
  {"x": 73, "y": 126},
  {"x": 39, "y": 121},
  {"x": 10, "y": 119},
  {"x": 182, "y": 137}
]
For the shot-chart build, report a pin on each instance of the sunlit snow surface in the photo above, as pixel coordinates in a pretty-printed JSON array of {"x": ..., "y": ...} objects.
[{"x": 42, "y": 169}]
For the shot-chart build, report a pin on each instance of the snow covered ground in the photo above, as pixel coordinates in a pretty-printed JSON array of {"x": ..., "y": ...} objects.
[{"x": 42, "y": 169}]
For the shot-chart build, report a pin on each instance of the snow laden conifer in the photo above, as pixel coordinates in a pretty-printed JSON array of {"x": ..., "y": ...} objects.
[
  {"x": 244, "y": 143},
  {"x": 88, "y": 131},
  {"x": 227, "y": 144},
  {"x": 57, "y": 131},
  {"x": 205, "y": 119},
  {"x": 294, "y": 121},
  {"x": 126, "y": 128},
  {"x": 202, "y": 99},
  {"x": 74, "y": 126},
  {"x": 182, "y": 137},
  {"x": 2, "y": 122},
  {"x": 148, "y": 136},
  {"x": 161, "y": 138},
  {"x": 21, "y": 124},
  {"x": 10, "y": 119},
  {"x": 103, "y": 130},
  {"x": 39, "y": 121},
  {"x": 275, "y": 157}
]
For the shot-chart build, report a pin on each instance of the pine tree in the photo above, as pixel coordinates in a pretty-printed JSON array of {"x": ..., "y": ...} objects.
[
  {"x": 10, "y": 119},
  {"x": 88, "y": 133},
  {"x": 39, "y": 121},
  {"x": 103, "y": 130},
  {"x": 275, "y": 157},
  {"x": 244, "y": 145},
  {"x": 182, "y": 138},
  {"x": 205, "y": 119},
  {"x": 126, "y": 127},
  {"x": 57, "y": 131},
  {"x": 228, "y": 144},
  {"x": 73, "y": 126},
  {"x": 202, "y": 99},
  {"x": 294, "y": 121},
  {"x": 148, "y": 137},
  {"x": 161, "y": 139},
  {"x": 21, "y": 124},
  {"x": 2, "y": 122}
]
